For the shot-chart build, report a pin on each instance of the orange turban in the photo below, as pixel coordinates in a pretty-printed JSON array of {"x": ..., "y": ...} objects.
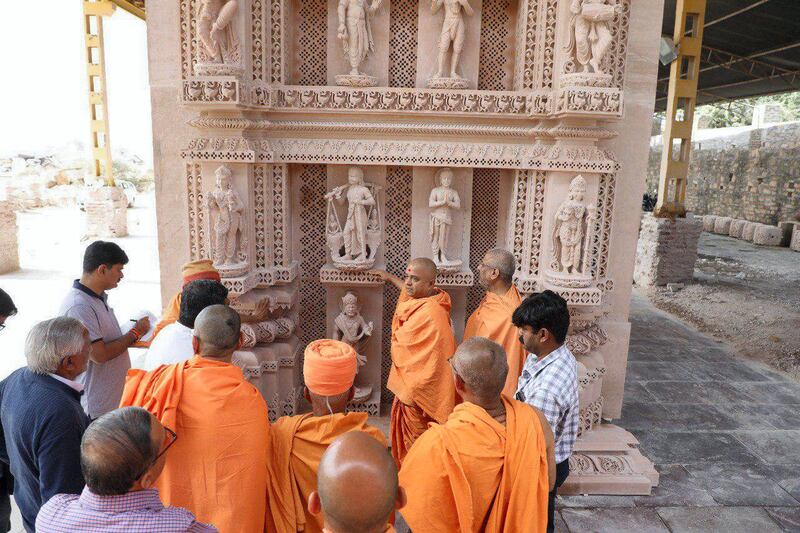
[
  {"x": 330, "y": 367},
  {"x": 202, "y": 269}
]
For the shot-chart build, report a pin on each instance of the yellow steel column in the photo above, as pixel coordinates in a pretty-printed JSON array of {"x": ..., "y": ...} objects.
[
  {"x": 681, "y": 99},
  {"x": 93, "y": 13}
]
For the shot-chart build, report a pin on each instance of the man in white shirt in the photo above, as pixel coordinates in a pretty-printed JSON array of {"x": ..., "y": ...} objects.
[{"x": 174, "y": 343}]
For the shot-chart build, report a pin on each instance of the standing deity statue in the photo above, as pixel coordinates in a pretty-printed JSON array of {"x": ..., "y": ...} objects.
[
  {"x": 452, "y": 32},
  {"x": 215, "y": 28},
  {"x": 225, "y": 202},
  {"x": 358, "y": 198},
  {"x": 442, "y": 201},
  {"x": 350, "y": 326},
  {"x": 570, "y": 229},
  {"x": 355, "y": 31},
  {"x": 590, "y": 35}
]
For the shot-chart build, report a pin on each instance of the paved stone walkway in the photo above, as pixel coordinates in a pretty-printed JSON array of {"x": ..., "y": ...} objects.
[{"x": 724, "y": 434}]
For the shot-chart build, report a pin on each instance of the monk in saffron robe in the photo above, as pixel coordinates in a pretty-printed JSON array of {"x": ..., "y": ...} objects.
[
  {"x": 354, "y": 466},
  {"x": 217, "y": 467},
  {"x": 194, "y": 270},
  {"x": 492, "y": 318},
  {"x": 422, "y": 342},
  {"x": 298, "y": 442},
  {"x": 490, "y": 466}
]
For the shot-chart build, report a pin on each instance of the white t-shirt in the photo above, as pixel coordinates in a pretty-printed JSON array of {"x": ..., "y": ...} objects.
[{"x": 173, "y": 344}]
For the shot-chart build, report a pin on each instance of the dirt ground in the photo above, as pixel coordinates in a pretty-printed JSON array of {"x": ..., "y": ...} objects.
[{"x": 746, "y": 295}]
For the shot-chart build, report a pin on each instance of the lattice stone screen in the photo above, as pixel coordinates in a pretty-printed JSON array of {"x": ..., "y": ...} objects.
[
  {"x": 397, "y": 254},
  {"x": 312, "y": 182},
  {"x": 311, "y": 49},
  {"x": 483, "y": 229},
  {"x": 403, "y": 43},
  {"x": 496, "y": 70}
]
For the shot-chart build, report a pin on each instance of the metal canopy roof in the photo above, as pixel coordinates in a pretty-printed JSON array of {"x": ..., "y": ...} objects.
[{"x": 750, "y": 48}]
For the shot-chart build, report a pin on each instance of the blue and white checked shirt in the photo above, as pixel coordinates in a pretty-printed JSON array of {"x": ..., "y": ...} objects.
[
  {"x": 135, "y": 511},
  {"x": 551, "y": 385}
]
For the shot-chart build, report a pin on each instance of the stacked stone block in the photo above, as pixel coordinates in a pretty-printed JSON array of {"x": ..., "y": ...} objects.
[
  {"x": 708, "y": 223},
  {"x": 749, "y": 230},
  {"x": 737, "y": 226},
  {"x": 767, "y": 235},
  {"x": 667, "y": 250},
  {"x": 722, "y": 225},
  {"x": 9, "y": 251},
  {"x": 795, "y": 242},
  {"x": 106, "y": 213}
]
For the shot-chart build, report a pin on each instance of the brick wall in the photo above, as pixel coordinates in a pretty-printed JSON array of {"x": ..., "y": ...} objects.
[{"x": 749, "y": 173}]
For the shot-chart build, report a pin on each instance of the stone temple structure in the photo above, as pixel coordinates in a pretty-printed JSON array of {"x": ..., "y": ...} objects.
[{"x": 301, "y": 143}]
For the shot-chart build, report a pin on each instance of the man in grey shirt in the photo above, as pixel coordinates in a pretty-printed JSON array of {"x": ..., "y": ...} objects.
[{"x": 87, "y": 301}]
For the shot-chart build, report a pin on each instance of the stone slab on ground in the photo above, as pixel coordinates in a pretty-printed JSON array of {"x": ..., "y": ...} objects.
[
  {"x": 786, "y": 517},
  {"x": 614, "y": 520},
  {"x": 676, "y": 487},
  {"x": 767, "y": 235},
  {"x": 740, "y": 485},
  {"x": 667, "y": 250},
  {"x": 707, "y": 519}
]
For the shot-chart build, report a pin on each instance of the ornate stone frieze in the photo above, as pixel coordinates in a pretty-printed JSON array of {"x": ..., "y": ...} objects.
[
  {"x": 243, "y": 284},
  {"x": 591, "y": 415},
  {"x": 231, "y": 149},
  {"x": 329, "y": 275},
  {"x": 594, "y": 101},
  {"x": 213, "y": 90},
  {"x": 455, "y": 279},
  {"x": 587, "y": 339}
]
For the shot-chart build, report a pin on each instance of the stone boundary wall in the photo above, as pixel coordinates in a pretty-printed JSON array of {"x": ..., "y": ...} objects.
[{"x": 744, "y": 173}]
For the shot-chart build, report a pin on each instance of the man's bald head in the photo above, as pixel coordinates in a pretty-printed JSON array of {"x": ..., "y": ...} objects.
[
  {"x": 503, "y": 261},
  {"x": 217, "y": 330},
  {"x": 357, "y": 484},
  {"x": 421, "y": 277},
  {"x": 482, "y": 366}
]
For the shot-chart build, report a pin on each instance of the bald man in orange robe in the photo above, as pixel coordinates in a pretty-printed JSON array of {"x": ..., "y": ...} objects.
[
  {"x": 298, "y": 442},
  {"x": 492, "y": 318},
  {"x": 490, "y": 466},
  {"x": 191, "y": 271},
  {"x": 217, "y": 467},
  {"x": 355, "y": 465},
  {"x": 422, "y": 342}
]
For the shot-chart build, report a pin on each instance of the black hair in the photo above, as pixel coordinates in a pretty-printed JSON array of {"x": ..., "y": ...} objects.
[
  {"x": 7, "y": 307},
  {"x": 545, "y": 310},
  {"x": 116, "y": 450},
  {"x": 103, "y": 253},
  {"x": 197, "y": 295}
]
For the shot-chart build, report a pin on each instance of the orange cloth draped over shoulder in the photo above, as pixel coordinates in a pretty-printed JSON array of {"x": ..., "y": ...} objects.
[
  {"x": 474, "y": 474},
  {"x": 202, "y": 269},
  {"x": 297, "y": 445},
  {"x": 217, "y": 467},
  {"x": 420, "y": 377},
  {"x": 492, "y": 319}
]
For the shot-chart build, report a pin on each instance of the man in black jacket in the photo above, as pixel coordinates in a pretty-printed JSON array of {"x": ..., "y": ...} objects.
[{"x": 42, "y": 418}]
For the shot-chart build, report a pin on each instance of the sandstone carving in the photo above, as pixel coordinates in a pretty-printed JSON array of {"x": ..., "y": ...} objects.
[
  {"x": 355, "y": 33},
  {"x": 350, "y": 326},
  {"x": 443, "y": 200},
  {"x": 218, "y": 47},
  {"x": 590, "y": 33},
  {"x": 767, "y": 235},
  {"x": 570, "y": 231},
  {"x": 228, "y": 242},
  {"x": 453, "y": 35},
  {"x": 354, "y": 245},
  {"x": 266, "y": 332}
]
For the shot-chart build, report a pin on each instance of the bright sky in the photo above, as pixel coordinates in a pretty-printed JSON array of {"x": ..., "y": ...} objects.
[{"x": 43, "y": 98}]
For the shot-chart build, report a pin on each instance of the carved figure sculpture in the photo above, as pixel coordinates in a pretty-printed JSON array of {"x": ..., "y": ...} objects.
[
  {"x": 224, "y": 202},
  {"x": 361, "y": 234},
  {"x": 215, "y": 28},
  {"x": 355, "y": 31},
  {"x": 590, "y": 35},
  {"x": 442, "y": 201},
  {"x": 569, "y": 230},
  {"x": 453, "y": 32},
  {"x": 350, "y": 326}
]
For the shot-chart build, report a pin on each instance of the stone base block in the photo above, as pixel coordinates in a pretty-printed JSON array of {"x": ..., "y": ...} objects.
[
  {"x": 708, "y": 222},
  {"x": 667, "y": 250},
  {"x": 9, "y": 248},
  {"x": 106, "y": 212},
  {"x": 748, "y": 230},
  {"x": 736, "y": 228},
  {"x": 722, "y": 225},
  {"x": 767, "y": 235},
  {"x": 606, "y": 460},
  {"x": 794, "y": 244},
  {"x": 789, "y": 229}
]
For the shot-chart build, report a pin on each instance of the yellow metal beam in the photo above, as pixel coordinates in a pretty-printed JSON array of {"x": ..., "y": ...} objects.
[
  {"x": 134, "y": 7},
  {"x": 681, "y": 101},
  {"x": 93, "y": 13}
]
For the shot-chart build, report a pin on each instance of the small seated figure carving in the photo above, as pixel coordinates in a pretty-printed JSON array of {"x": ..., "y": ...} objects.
[{"x": 350, "y": 327}]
